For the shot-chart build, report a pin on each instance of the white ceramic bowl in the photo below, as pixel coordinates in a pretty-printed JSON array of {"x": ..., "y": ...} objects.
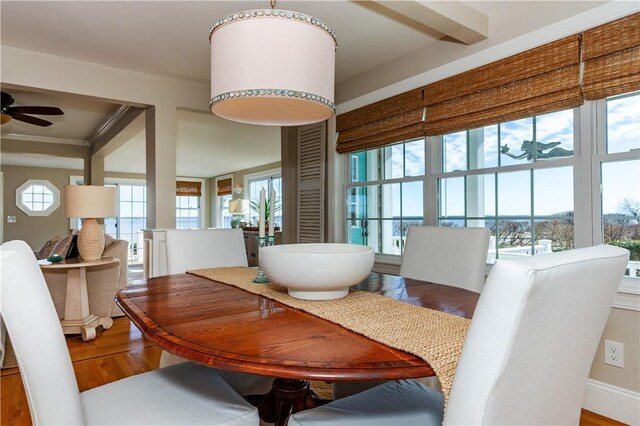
[{"x": 317, "y": 271}]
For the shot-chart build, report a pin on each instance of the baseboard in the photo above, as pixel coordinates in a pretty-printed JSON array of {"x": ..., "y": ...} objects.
[
  {"x": 386, "y": 268},
  {"x": 611, "y": 401}
]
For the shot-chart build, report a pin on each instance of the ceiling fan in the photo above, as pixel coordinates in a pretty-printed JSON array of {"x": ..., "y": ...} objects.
[{"x": 20, "y": 113}]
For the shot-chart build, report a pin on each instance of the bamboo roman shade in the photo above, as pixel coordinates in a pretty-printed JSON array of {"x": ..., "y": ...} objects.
[
  {"x": 391, "y": 120},
  {"x": 540, "y": 80},
  {"x": 224, "y": 187},
  {"x": 611, "y": 55},
  {"x": 185, "y": 188}
]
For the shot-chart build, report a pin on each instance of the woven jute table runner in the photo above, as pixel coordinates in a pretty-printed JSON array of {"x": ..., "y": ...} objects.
[{"x": 434, "y": 336}]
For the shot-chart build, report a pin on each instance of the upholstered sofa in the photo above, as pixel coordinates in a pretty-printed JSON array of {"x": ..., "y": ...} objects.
[{"x": 102, "y": 282}]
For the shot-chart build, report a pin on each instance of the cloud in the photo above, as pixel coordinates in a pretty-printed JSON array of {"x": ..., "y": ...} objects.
[
  {"x": 512, "y": 134},
  {"x": 623, "y": 122},
  {"x": 414, "y": 158},
  {"x": 556, "y": 127},
  {"x": 491, "y": 147},
  {"x": 455, "y": 151},
  {"x": 395, "y": 151}
]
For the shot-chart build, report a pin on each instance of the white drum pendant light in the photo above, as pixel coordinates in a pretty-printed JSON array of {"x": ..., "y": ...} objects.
[{"x": 272, "y": 67}]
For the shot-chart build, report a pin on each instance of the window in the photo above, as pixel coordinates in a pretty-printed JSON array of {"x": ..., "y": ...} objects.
[
  {"x": 37, "y": 197},
  {"x": 223, "y": 211},
  {"x": 132, "y": 201},
  {"x": 269, "y": 180},
  {"x": 385, "y": 195},
  {"x": 617, "y": 165},
  {"x": 224, "y": 194},
  {"x": 187, "y": 212},
  {"x": 545, "y": 183},
  {"x": 188, "y": 203},
  {"x": 541, "y": 184},
  {"x": 514, "y": 178}
]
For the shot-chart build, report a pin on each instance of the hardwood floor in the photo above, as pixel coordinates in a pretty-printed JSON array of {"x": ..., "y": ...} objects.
[{"x": 114, "y": 354}]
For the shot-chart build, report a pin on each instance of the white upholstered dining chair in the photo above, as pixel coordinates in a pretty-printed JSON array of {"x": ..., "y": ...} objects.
[
  {"x": 189, "y": 249},
  {"x": 183, "y": 394},
  {"x": 443, "y": 255},
  {"x": 446, "y": 255},
  {"x": 509, "y": 371}
]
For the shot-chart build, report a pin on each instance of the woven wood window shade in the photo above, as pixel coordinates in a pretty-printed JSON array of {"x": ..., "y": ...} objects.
[
  {"x": 224, "y": 187},
  {"x": 611, "y": 55},
  {"x": 185, "y": 188},
  {"x": 385, "y": 122},
  {"x": 540, "y": 80}
]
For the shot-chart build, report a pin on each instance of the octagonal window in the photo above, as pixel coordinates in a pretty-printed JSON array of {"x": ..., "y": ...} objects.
[{"x": 37, "y": 197}]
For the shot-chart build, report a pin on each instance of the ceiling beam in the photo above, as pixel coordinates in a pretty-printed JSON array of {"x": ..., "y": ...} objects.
[
  {"x": 10, "y": 145},
  {"x": 134, "y": 125},
  {"x": 452, "y": 18},
  {"x": 44, "y": 139},
  {"x": 109, "y": 136}
]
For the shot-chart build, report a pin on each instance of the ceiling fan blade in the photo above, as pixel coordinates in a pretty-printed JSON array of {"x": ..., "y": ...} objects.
[
  {"x": 38, "y": 110},
  {"x": 6, "y": 100},
  {"x": 31, "y": 120}
]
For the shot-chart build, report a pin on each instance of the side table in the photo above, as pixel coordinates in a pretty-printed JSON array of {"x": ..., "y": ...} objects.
[{"x": 77, "y": 319}]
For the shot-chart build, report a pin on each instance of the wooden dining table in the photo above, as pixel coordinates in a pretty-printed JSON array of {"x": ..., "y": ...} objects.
[{"x": 222, "y": 326}]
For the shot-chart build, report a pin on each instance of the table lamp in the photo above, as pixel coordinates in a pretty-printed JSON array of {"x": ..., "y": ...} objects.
[
  {"x": 238, "y": 207},
  {"x": 90, "y": 202}
]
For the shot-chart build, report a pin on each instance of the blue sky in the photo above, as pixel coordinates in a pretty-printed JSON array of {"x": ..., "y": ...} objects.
[{"x": 621, "y": 180}]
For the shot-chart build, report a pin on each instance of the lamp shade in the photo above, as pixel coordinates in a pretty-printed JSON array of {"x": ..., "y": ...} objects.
[
  {"x": 272, "y": 67},
  {"x": 238, "y": 206},
  {"x": 88, "y": 201}
]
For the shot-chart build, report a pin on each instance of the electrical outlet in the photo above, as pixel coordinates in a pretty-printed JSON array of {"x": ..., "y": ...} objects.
[{"x": 614, "y": 353}]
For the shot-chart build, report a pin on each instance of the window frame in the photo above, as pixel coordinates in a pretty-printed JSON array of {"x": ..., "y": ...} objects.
[
  {"x": 589, "y": 153},
  {"x": 380, "y": 181},
  {"x": 219, "y": 201},
  {"x": 42, "y": 182},
  {"x": 269, "y": 175},
  {"x": 187, "y": 209},
  {"x": 531, "y": 166},
  {"x": 202, "y": 204},
  {"x": 629, "y": 285}
]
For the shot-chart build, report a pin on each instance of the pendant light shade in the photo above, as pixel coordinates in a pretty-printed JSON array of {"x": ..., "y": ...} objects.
[{"x": 272, "y": 67}]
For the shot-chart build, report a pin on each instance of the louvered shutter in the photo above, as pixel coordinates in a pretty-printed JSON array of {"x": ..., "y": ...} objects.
[{"x": 311, "y": 183}]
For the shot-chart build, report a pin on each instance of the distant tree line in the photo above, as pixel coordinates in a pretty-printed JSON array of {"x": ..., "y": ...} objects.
[{"x": 621, "y": 229}]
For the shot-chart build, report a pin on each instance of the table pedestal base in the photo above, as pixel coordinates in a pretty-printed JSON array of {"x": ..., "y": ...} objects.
[
  {"x": 285, "y": 398},
  {"x": 85, "y": 326},
  {"x": 77, "y": 319}
]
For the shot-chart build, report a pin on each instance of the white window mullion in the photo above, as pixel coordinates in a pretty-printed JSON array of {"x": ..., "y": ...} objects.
[
  {"x": 585, "y": 216},
  {"x": 433, "y": 158}
]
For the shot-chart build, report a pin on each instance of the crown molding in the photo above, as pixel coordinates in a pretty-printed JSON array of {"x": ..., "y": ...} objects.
[{"x": 45, "y": 139}]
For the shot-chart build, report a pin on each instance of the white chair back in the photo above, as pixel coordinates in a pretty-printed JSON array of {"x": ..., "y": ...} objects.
[
  {"x": 533, "y": 337},
  {"x": 446, "y": 255},
  {"x": 37, "y": 339},
  {"x": 204, "y": 248}
]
